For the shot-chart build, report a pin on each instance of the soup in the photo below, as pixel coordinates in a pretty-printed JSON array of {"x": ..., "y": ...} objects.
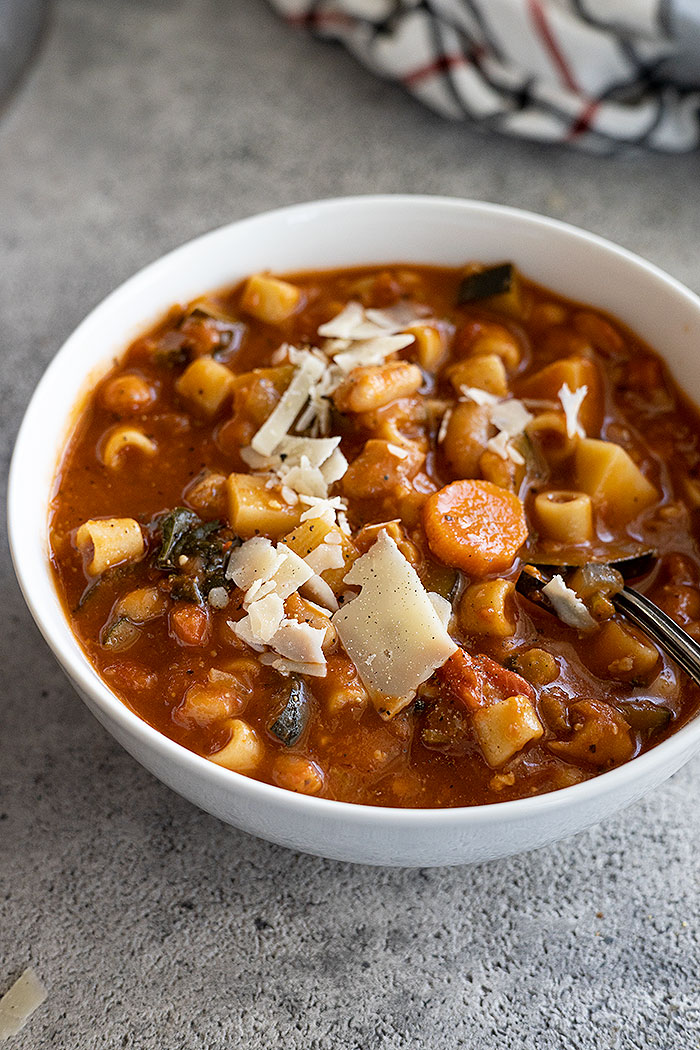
[{"x": 289, "y": 525}]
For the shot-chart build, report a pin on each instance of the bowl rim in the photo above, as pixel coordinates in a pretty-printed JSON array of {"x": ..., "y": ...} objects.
[{"x": 680, "y": 745}]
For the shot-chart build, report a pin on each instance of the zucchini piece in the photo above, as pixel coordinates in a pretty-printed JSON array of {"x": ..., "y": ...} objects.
[
  {"x": 293, "y": 718},
  {"x": 484, "y": 284},
  {"x": 120, "y": 634},
  {"x": 645, "y": 715}
]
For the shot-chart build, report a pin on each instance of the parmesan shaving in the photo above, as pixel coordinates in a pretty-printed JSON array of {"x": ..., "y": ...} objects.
[
  {"x": 372, "y": 351},
  {"x": 344, "y": 324},
  {"x": 567, "y": 605},
  {"x": 334, "y": 467},
  {"x": 243, "y": 629},
  {"x": 478, "y": 396},
  {"x": 355, "y": 323},
  {"x": 396, "y": 450},
  {"x": 265, "y": 616},
  {"x": 442, "y": 607},
  {"x": 259, "y": 589},
  {"x": 299, "y": 642},
  {"x": 292, "y": 666},
  {"x": 444, "y": 423},
  {"x": 321, "y": 592},
  {"x": 510, "y": 417},
  {"x": 325, "y": 556},
  {"x": 501, "y": 445},
  {"x": 305, "y": 480},
  {"x": 292, "y": 401},
  {"x": 18, "y": 1004},
  {"x": 571, "y": 401},
  {"x": 291, "y": 574},
  {"x": 256, "y": 559},
  {"x": 391, "y": 630},
  {"x": 325, "y": 509}
]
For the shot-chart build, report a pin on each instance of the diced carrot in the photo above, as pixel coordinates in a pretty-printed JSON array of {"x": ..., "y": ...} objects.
[
  {"x": 189, "y": 624},
  {"x": 476, "y": 526}
]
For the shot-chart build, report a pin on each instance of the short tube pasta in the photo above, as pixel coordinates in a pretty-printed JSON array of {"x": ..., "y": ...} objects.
[
  {"x": 122, "y": 438},
  {"x": 564, "y": 517},
  {"x": 112, "y": 541},
  {"x": 548, "y": 430}
]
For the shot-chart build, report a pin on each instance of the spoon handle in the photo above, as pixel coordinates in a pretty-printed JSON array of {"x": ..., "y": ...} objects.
[{"x": 661, "y": 628}]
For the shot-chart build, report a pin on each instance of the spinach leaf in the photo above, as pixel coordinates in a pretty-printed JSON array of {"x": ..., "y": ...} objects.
[{"x": 195, "y": 553}]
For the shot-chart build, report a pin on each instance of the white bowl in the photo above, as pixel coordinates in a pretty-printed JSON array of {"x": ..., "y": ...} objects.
[{"x": 335, "y": 233}]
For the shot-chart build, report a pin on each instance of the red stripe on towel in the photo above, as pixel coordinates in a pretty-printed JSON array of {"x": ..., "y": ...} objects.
[
  {"x": 440, "y": 65},
  {"x": 543, "y": 28},
  {"x": 583, "y": 121}
]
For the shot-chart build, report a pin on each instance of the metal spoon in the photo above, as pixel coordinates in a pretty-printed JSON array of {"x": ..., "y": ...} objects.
[{"x": 676, "y": 642}]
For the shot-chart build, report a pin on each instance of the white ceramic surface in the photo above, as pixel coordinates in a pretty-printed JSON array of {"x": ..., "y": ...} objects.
[{"x": 308, "y": 236}]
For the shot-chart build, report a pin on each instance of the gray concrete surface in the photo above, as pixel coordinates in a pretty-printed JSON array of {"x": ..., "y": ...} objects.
[{"x": 143, "y": 123}]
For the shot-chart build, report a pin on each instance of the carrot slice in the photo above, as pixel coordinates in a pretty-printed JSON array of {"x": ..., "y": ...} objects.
[{"x": 475, "y": 525}]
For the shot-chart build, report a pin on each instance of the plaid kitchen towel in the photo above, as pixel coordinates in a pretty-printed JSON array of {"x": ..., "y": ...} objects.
[{"x": 589, "y": 72}]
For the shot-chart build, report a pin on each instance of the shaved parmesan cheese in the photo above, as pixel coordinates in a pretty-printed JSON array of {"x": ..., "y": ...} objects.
[
  {"x": 325, "y": 509},
  {"x": 299, "y": 642},
  {"x": 256, "y": 559},
  {"x": 478, "y": 396},
  {"x": 567, "y": 604},
  {"x": 344, "y": 324},
  {"x": 334, "y": 467},
  {"x": 444, "y": 423},
  {"x": 321, "y": 592},
  {"x": 306, "y": 480},
  {"x": 292, "y": 401},
  {"x": 500, "y": 444},
  {"x": 18, "y": 1004},
  {"x": 571, "y": 401},
  {"x": 391, "y": 630},
  {"x": 442, "y": 607},
  {"x": 257, "y": 590},
  {"x": 343, "y": 523},
  {"x": 265, "y": 616},
  {"x": 325, "y": 556},
  {"x": 355, "y": 323},
  {"x": 396, "y": 450},
  {"x": 510, "y": 418},
  {"x": 293, "y": 666},
  {"x": 397, "y": 318},
  {"x": 291, "y": 451},
  {"x": 372, "y": 351},
  {"x": 291, "y": 574},
  {"x": 243, "y": 629}
]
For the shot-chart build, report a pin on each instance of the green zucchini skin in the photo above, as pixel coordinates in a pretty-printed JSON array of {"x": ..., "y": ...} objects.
[
  {"x": 293, "y": 718},
  {"x": 496, "y": 280}
]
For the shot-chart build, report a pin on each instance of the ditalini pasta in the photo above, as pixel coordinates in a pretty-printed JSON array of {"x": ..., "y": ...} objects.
[{"x": 288, "y": 528}]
